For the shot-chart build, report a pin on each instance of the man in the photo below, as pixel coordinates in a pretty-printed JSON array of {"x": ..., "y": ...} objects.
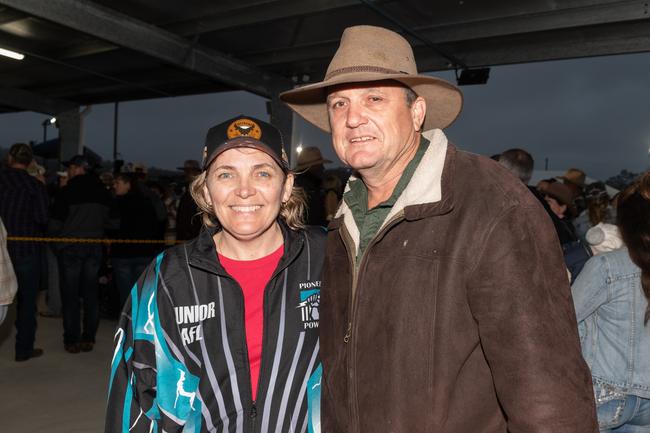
[
  {"x": 310, "y": 171},
  {"x": 521, "y": 164},
  {"x": 80, "y": 210},
  {"x": 445, "y": 304},
  {"x": 23, "y": 209},
  {"x": 188, "y": 223}
]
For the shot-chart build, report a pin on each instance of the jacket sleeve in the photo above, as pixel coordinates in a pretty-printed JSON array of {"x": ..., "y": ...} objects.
[
  {"x": 590, "y": 288},
  {"x": 132, "y": 405},
  {"x": 520, "y": 298}
]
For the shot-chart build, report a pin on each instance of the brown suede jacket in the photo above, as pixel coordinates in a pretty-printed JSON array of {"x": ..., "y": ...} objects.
[{"x": 460, "y": 318}]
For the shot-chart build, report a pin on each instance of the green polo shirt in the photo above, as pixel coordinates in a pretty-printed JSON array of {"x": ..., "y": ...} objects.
[{"x": 370, "y": 220}]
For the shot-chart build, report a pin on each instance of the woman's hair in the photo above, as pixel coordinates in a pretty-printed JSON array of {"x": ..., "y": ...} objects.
[
  {"x": 633, "y": 220},
  {"x": 597, "y": 202},
  {"x": 292, "y": 211}
]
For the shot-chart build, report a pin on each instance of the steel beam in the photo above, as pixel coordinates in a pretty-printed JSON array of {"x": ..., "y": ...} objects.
[
  {"x": 256, "y": 14},
  {"x": 557, "y": 19},
  {"x": 620, "y": 38},
  {"x": 122, "y": 30},
  {"x": 281, "y": 117},
  {"x": 9, "y": 16},
  {"x": 24, "y": 100}
]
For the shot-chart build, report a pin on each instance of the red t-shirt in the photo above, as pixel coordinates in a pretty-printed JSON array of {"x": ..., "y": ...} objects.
[{"x": 253, "y": 276}]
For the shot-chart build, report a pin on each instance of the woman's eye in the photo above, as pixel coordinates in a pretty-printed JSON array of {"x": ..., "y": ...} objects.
[{"x": 224, "y": 175}]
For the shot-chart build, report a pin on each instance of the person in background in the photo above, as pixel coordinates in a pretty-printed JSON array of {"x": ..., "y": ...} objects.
[
  {"x": 188, "y": 224},
  {"x": 135, "y": 217},
  {"x": 559, "y": 199},
  {"x": 611, "y": 303},
  {"x": 8, "y": 281},
  {"x": 333, "y": 187},
  {"x": 445, "y": 303},
  {"x": 604, "y": 237},
  {"x": 80, "y": 210},
  {"x": 575, "y": 179},
  {"x": 310, "y": 170},
  {"x": 521, "y": 164},
  {"x": 576, "y": 253},
  {"x": 107, "y": 179},
  {"x": 598, "y": 209},
  {"x": 23, "y": 209},
  {"x": 189, "y": 353}
]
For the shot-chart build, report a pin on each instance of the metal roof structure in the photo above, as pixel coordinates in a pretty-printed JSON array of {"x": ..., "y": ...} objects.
[{"x": 80, "y": 52}]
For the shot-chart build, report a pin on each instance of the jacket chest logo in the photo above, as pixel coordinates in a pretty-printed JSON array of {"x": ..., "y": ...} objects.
[
  {"x": 192, "y": 316},
  {"x": 309, "y": 304}
]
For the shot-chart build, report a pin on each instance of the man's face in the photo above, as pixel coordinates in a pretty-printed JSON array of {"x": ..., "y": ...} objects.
[
  {"x": 558, "y": 208},
  {"x": 75, "y": 170},
  {"x": 373, "y": 128}
]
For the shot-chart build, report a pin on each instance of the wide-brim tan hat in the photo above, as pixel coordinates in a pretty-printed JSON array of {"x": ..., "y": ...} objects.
[
  {"x": 309, "y": 157},
  {"x": 369, "y": 53},
  {"x": 575, "y": 176}
]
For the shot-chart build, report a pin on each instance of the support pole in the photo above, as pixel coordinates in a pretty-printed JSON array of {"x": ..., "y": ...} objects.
[{"x": 282, "y": 118}]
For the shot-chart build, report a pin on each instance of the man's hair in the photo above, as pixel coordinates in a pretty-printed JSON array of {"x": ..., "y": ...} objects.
[
  {"x": 411, "y": 96},
  {"x": 21, "y": 153},
  {"x": 518, "y": 162}
]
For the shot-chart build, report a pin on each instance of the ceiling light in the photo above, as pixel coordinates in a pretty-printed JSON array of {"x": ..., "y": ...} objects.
[{"x": 11, "y": 54}]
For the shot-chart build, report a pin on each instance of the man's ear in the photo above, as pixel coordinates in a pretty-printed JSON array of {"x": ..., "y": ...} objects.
[{"x": 418, "y": 112}]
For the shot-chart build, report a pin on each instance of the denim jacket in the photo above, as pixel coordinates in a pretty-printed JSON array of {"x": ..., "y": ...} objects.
[{"x": 610, "y": 308}]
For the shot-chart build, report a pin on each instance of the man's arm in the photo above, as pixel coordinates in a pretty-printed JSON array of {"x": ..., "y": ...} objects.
[{"x": 521, "y": 300}]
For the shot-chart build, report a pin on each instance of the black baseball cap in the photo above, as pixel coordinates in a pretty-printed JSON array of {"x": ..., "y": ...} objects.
[
  {"x": 78, "y": 160},
  {"x": 245, "y": 131}
]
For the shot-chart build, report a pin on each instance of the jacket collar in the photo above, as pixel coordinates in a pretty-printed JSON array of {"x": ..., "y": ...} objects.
[
  {"x": 202, "y": 253},
  {"x": 427, "y": 194}
]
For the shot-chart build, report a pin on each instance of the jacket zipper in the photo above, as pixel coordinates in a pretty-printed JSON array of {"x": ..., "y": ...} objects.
[
  {"x": 352, "y": 389},
  {"x": 252, "y": 413}
]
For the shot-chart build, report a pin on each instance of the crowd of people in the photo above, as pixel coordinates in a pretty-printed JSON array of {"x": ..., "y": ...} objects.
[
  {"x": 446, "y": 294},
  {"x": 80, "y": 281}
]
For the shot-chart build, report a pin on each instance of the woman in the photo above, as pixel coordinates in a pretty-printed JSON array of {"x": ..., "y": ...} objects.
[
  {"x": 598, "y": 209},
  {"x": 611, "y": 301},
  {"x": 137, "y": 220},
  {"x": 221, "y": 333}
]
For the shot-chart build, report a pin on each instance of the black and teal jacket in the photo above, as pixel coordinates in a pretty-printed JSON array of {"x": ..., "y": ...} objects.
[{"x": 180, "y": 362}]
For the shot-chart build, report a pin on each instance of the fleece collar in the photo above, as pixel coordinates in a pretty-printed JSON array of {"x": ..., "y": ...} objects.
[{"x": 424, "y": 188}]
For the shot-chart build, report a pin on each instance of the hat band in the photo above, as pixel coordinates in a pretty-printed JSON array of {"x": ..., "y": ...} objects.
[{"x": 353, "y": 69}]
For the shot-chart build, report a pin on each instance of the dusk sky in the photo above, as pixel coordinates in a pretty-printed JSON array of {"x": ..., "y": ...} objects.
[{"x": 592, "y": 114}]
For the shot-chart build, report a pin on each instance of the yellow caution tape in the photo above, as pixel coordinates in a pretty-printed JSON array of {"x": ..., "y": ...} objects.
[{"x": 91, "y": 240}]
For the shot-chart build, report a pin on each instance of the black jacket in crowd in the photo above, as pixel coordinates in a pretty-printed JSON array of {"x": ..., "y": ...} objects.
[
  {"x": 135, "y": 217},
  {"x": 81, "y": 208}
]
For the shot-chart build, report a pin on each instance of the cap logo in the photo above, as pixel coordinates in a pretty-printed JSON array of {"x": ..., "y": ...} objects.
[{"x": 244, "y": 128}]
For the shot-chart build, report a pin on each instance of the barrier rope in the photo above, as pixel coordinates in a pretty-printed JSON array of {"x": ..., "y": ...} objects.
[{"x": 91, "y": 240}]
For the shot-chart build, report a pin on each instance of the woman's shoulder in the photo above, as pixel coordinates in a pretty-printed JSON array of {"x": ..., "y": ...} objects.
[
  {"x": 620, "y": 264},
  {"x": 315, "y": 233}
]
